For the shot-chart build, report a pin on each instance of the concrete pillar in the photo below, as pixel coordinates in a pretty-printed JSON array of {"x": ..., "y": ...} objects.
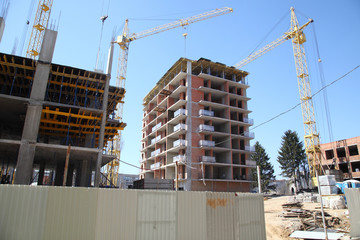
[
  {"x": 41, "y": 172},
  {"x": 2, "y": 27},
  {"x": 33, "y": 113},
  {"x": 189, "y": 126},
  {"x": 103, "y": 119}
]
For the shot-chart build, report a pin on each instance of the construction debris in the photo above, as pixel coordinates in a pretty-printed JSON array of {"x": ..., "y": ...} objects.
[{"x": 310, "y": 220}]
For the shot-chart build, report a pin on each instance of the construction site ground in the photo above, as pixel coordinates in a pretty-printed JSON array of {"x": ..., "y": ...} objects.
[{"x": 278, "y": 227}]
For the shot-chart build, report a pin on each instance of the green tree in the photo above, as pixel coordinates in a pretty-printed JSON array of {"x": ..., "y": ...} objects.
[
  {"x": 266, "y": 168},
  {"x": 292, "y": 158}
]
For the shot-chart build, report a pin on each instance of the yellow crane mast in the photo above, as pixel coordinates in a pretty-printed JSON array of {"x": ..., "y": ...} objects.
[
  {"x": 311, "y": 137},
  {"x": 40, "y": 24},
  {"x": 124, "y": 41}
]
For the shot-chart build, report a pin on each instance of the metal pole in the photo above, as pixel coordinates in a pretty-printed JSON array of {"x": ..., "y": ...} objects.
[
  {"x": 259, "y": 178},
  {"x": 177, "y": 176},
  {"x": 66, "y": 165},
  {"x": 322, "y": 206},
  {"x": 103, "y": 118}
]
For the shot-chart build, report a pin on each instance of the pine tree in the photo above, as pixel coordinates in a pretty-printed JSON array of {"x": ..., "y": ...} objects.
[
  {"x": 292, "y": 157},
  {"x": 266, "y": 168}
]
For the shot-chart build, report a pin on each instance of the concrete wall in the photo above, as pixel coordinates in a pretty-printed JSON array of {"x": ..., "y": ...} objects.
[{"x": 33, "y": 212}]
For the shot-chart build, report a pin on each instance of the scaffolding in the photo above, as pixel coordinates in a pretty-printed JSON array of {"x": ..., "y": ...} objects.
[{"x": 71, "y": 110}]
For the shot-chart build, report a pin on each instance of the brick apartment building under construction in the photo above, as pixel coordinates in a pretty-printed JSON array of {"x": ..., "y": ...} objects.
[
  {"x": 46, "y": 107},
  {"x": 196, "y": 121},
  {"x": 342, "y": 155}
]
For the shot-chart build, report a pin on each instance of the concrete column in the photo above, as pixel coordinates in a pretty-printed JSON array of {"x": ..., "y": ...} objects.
[
  {"x": 2, "y": 27},
  {"x": 189, "y": 125},
  {"x": 33, "y": 113},
  {"x": 103, "y": 119},
  {"x": 41, "y": 172}
]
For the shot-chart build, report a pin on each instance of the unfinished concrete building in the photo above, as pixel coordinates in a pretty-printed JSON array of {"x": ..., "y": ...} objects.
[
  {"x": 49, "y": 112},
  {"x": 196, "y": 121},
  {"x": 342, "y": 155}
]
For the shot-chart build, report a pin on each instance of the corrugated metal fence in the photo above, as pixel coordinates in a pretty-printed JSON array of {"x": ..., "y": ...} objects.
[
  {"x": 353, "y": 201},
  {"x": 41, "y": 213}
]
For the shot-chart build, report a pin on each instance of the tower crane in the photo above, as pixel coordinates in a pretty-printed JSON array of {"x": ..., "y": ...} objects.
[
  {"x": 311, "y": 137},
  {"x": 124, "y": 41},
  {"x": 40, "y": 24}
]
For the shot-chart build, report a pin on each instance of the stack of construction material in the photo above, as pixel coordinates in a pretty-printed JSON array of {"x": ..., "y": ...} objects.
[
  {"x": 160, "y": 184},
  {"x": 327, "y": 184}
]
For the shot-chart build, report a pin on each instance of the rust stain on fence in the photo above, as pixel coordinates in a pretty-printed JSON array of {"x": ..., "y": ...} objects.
[{"x": 216, "y": 202}]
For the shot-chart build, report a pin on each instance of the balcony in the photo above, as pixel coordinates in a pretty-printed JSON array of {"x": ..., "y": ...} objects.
[
  {"x": 179, "y": 158},
  {"x": 180, "y": 111},
  {"x": 154, "y": 153},
  {"x": 249, "y": 134},
  {"x": 154, "y": 140},
  {"x": 248, "y": 120},
  {"x": 203, "y": 112},
  {"x": 179, "y": 143},
  {"x": 157, "y": 126},
  {"x": 250, "y": 148},
  {"x": 206, "y": 143},
  {"x": 180, "y": 126},
  {"x": 155, "y": 166},
  {"x": 203, "y": 127},
  {"x": 208, "y": 159},
  {"x": 250, "y": 163}
]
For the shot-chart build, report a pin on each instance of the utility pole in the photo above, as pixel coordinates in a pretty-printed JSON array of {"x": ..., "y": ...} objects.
[
  {"x": 177, "y": 176},
  {"x": 259, "y": 178}
]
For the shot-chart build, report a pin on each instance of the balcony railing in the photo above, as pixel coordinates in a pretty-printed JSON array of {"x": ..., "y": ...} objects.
[
  {"x": 250, "y": 162},
  {"x": 180, "y": 126},
  {"x": 157, "y": 126},
  {"x": 206, "y": 113},
  {"x": 203, "y": 127},
  {"x": 249, "y": 134},
  {"x": 206, "y": 143},
  {"x": 248, "y": 120},
  {"x": 250, "y": 148},
  {"x": 180, "y": 142},
  {"x": 154, "y": 140},
  {"x": 155, "y": 166},
  {"x": 208, "y": 159},
  {"x": 179, "y": 158},
  {"x": 180, "y": 112},
  {"x": 156, "y": 152}
]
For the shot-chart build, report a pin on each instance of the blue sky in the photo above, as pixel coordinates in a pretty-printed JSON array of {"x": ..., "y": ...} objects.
[{"x": 227, "y": 39}]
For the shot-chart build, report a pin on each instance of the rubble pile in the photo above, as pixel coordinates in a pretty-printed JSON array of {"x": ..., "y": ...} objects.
[{"x": 308, "y": 220}]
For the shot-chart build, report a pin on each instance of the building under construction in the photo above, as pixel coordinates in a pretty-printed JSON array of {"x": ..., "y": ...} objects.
[
  {"x": 342, "y": 155},
  {"x": 50, "y": 113},
  {"x": 196, "y": 128}
]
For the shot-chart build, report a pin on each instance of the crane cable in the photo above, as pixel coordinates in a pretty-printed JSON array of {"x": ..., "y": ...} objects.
[
  {"x": 325, "y": 96},
  {"x": 321, "y": 89},
  {"x": 26, "y": 27},
  {"x": 271, "y": 30}
]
